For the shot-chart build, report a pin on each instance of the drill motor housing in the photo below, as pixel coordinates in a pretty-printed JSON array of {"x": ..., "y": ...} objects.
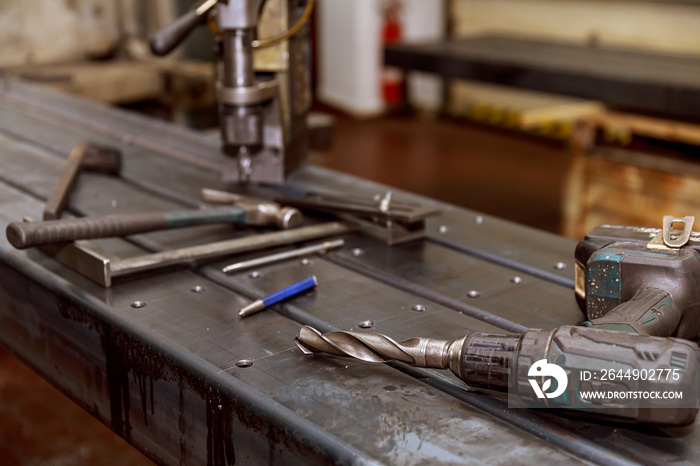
[{"x": 623, "y": 283}]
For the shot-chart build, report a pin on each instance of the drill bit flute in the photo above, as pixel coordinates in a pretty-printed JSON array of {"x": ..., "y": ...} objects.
[
  {"x": 375, "y": 347},
  {"x": 548, "y": 368}
]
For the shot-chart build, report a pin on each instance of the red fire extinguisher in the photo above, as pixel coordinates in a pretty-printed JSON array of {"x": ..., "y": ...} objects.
[{"x": 392, "y": 80}]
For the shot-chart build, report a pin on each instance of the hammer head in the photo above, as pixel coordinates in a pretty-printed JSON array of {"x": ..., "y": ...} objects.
[
  {"x": 269, "y": 213},
  {"x": 288, "y": 217},
  {"x": 84, "y": 156},
  {"x": 259, "y": 212},
  {"x": 102, "y": 159}
]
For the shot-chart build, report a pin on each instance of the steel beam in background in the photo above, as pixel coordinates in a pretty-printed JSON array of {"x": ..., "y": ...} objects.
[{"x": 633, "y": 80}]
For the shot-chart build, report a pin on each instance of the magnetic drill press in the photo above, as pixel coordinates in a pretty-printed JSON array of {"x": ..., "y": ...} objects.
[{"x": 263, "y": 85}]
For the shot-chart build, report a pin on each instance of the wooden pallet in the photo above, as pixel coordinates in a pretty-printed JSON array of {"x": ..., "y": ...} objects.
[
  {"x": 538, "y": 112},
  {"x": 611, "y": 183}
]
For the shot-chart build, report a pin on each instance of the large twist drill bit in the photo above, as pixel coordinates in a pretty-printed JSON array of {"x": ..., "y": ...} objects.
[
  {"x": 511, "y": 362},
  {"x": 375, "y": 347}
]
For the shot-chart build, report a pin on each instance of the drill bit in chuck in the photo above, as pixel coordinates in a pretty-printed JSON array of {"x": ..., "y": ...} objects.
[
  {"x": 480, "y": 359},
  {"x": 506, "y": 363},
  {"x": 375, "y": 347}
]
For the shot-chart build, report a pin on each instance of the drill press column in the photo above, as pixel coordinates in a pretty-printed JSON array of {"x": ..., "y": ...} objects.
[
  {"x": 241, "y": 98},
  {"x": 264, "y": 97}
]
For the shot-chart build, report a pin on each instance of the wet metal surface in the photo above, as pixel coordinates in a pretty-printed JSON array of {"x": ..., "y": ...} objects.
[{"x": 184, "y": 380}]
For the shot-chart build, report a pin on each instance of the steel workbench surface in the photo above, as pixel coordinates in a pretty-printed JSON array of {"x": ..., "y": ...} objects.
[{"x": 168, "y": 377}]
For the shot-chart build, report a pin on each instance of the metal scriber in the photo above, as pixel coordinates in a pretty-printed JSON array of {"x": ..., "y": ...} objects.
[
  {"x": 519, "y": 363},
  {"x": 320, "y": 248}
]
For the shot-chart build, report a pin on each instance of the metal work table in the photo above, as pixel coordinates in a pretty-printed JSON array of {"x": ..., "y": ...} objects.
[
  {"x": 637, "y": 81},
  {"x": 168, "y": 376}
]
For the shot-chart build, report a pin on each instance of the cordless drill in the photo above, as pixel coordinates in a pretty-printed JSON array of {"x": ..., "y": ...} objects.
[
  {"x": 598, "y": 373},
  {"x": 637, "y": 286},
  {"x": 641, "y": 280}
]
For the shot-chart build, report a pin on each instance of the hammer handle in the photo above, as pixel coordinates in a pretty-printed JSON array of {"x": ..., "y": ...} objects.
[
  {"x": 23, "y": 235},
  {"x": 56, "y": 202}
]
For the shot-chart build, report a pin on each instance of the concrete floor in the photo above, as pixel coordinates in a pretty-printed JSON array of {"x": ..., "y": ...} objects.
[
  {"x": 41, "y": 426},
  {"x": 498, "y": 172}
]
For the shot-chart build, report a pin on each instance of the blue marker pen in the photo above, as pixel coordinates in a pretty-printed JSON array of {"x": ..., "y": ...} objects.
[{"x": 280, "y": 295}]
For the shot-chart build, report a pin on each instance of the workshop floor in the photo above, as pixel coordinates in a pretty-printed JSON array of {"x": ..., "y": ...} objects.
[
  {"x": 497, "y": 172},
  {"x": 510, "y": 175}
]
